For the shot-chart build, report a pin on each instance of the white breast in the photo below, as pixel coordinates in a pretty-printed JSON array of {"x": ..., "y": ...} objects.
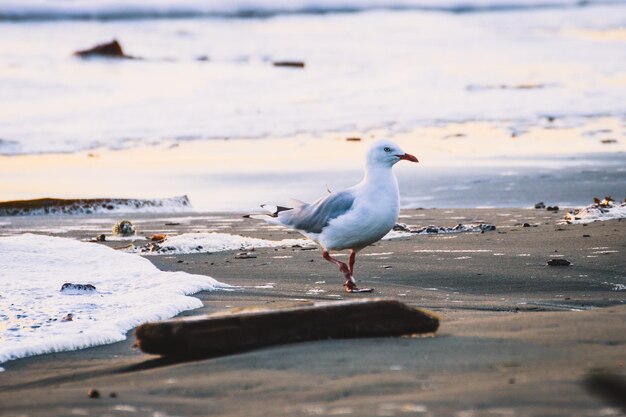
[{"x": 373, "y": 215}]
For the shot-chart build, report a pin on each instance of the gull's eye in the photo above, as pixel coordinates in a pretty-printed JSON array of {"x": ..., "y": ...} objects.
[{"x": 387, "y": 149}]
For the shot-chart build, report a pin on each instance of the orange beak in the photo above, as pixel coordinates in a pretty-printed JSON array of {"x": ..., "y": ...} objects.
[{"x": 408, "y": 157}]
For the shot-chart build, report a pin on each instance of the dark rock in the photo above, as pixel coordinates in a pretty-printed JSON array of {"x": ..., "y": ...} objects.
[
  {"x": 93, "y": 393},
  {"x": 292, "y": 64},
  {"x": 68, "y": 317},
  {"x": 255, "y": 328},
  {"x": 526, "y": 225},
  {"x": 70, "y": 288},
  {"x": 559, "y": 262},
  {"x": 540, "y": 205},
  {"x": 586, "y": 235},
  {"x": 113, "y": 395},
  {"x": 552, "y": 208},
  {"x": 99, "y": 238},
  {"x": 172, "y": 224},
  {"x": 353, "y": 139},
  {"x": 111, "y": 49}
]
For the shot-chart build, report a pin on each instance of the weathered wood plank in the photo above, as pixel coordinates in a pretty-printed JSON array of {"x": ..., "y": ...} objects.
[{"x": 249, "y": 329}]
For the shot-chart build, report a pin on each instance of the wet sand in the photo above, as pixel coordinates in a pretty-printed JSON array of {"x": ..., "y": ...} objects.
[{"x": 517, "y": 337}]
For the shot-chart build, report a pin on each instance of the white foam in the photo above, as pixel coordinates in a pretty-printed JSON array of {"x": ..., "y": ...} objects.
[
  {"x": 107, "y": 206},
  {"x": 218, "y": 242},
  {"x": 130, "y": 290},
  {"x": 605, "y": 210}
]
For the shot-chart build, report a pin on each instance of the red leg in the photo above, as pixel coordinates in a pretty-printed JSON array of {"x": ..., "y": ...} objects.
[
  {"x": 352, "y": 259},
  {"x": 349, "y": 284}
]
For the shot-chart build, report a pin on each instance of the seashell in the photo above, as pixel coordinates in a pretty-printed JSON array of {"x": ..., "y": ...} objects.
[{"x": 124, "y": 228}]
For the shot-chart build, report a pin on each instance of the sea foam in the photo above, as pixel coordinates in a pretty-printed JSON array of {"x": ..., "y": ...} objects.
[
  {"x": 36, "y": 317},
  {"x": 214, "y": 242},
  {"x": 599, "y": 211}
]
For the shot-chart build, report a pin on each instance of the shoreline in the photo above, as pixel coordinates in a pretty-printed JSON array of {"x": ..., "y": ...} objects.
[
  {"x": 506, "y": 316},
  {"x": 464, "y": 165}
]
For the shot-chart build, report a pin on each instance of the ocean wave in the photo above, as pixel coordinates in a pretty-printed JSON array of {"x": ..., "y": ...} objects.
[
  {"x": 150, "y": 9},
  {"x": 36, "y": 317},
  {"x": 58, "y": 206}
]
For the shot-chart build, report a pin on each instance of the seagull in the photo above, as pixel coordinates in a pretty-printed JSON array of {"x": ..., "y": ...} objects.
[{"x": 352, "y": 218}]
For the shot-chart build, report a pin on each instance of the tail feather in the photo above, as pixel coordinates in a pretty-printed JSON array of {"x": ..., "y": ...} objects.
[{"x": 274, "y": 210}]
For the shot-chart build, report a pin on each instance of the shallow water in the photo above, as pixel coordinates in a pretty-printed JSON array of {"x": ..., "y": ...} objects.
[{"x": 380, "y": 69}]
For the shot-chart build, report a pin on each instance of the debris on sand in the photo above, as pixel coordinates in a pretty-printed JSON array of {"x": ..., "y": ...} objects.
[
  {"x": 540, "y": 205},
  {"x": 124, "y": 228},
  {"x": 158, "y": 237},
  {"x": 111, "y": 49},
  {"x": 291, "y": 64},
  {"x": 99, "y": 238},
  {"x": 559, "y": 262},
  {"x": 459, "y": 228},
  {"x": 353, "y": 139},
  {"x": 600, "y": 210},
  {"x": 212, "y": 242}
]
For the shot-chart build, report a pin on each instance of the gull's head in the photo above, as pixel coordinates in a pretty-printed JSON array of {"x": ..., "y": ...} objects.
[{"x": 386, "y": 153}]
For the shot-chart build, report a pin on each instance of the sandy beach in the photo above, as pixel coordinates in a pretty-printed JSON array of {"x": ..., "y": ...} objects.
[
  {"x": 517, "y": 337},
  {"x": 506, "y": 123}
]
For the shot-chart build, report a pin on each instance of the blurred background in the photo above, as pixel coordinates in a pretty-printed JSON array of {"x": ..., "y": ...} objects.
[{"x": 234, "y": 103}]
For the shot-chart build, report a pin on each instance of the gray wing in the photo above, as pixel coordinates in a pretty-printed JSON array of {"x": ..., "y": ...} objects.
[{"x": 312, "y": 218}]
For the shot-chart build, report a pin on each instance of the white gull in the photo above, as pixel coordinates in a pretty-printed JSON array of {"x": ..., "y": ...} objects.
[{"x": 353, "y": 218}]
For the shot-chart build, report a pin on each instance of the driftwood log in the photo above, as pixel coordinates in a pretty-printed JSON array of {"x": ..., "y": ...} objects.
[{"x": 242, "y": 330}]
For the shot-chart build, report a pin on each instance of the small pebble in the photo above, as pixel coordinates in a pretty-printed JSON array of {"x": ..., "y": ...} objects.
[
  {"x": 586, "y": 235},
  {"x": 526, "y": 225},
  {"x": 559, "y": 262},
  {"x": 93, "y": 393},
  {"x": 113, "y": 395}
]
